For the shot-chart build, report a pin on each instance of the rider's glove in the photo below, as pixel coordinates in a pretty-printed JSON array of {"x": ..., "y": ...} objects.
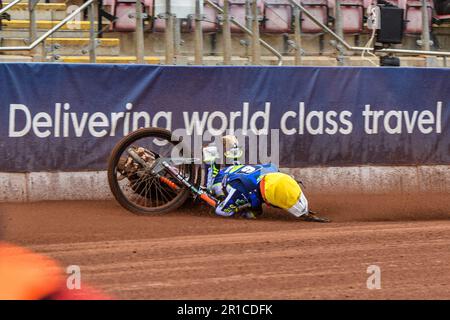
[
  {"x": 210, "y": 154},
  {"x": 231, "y": 147},
  {"x": 234, "y": 153}
]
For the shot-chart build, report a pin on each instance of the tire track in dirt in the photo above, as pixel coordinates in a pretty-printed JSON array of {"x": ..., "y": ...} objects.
[
  {"x": 275, "y": 260},
  {"x": 190, "y": 257}
]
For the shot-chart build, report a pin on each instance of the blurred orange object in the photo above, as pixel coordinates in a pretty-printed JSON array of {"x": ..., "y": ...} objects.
[{"x": 25, "y": 275}]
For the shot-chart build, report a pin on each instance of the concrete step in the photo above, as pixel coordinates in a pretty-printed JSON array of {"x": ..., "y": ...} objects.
[
  {"x": 20, "y": 29},
  {"x": 45, "y": 25},
  {"x": 44, "y": 11},
  {"x": 70, "y": 46},
  {"x": 25, "y": 33},
  {"x": 43, "y": 1},
  {"x": 107, "y": 59},
  {"x": 80, "y": 46},
  {"x": 15, "y": 58},
  {"x": 314, "y": 61},
  {"x": 287, "y": 61}
]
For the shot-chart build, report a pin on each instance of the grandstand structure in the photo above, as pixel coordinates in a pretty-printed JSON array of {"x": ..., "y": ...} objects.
[{"x": 217, "y": 32}]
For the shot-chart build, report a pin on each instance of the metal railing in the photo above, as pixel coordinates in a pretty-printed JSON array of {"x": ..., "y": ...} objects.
[
  {"x": 9, "y": 5},
  {"x": 352, "y": 48},
  {"x": 252, "y": 30},
  {"x": 251, "y": 33},
  {"x": 58, "y": 26},
  {"x": 171, "y": 25}
]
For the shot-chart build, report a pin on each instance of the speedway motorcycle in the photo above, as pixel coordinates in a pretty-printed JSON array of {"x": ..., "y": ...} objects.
[{"x": 145, "y": 178}]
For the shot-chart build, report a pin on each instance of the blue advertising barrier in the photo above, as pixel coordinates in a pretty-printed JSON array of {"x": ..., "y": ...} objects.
[{"x": 67, "y": 117}]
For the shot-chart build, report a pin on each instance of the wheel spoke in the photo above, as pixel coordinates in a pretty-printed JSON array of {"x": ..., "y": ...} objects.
[
  {"x": 145, "y": 194},
  {"x": 161, "y": 189},
  {"x": 140, "y": 187},
  {"x": 152, "y": 182}
]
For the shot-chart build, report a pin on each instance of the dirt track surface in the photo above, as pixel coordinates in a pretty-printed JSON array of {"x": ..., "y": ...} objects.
[{"x": 191, "y": 255}]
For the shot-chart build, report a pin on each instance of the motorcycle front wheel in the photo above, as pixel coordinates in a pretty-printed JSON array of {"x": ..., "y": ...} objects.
[{"x": 136, "y": 189}]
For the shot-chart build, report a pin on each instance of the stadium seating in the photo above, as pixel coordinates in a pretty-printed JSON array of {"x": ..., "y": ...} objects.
[
  {"x": 210, "y": 23},
  {"x": 72, "y": 42},
  {"x": 352, "y": 16},
  {"x": 237, "y": 11},
  {"x": 367, "y": 3},
  {"x": 413, "y": 16},
  {"x": 277, "y": 16},
  {"x": 159, "y": 24},
  {"x": 352, "y": 13},
  {"x": 319, "y": 8},
  {"x": 122, "y": 9},
  {"x": 125, "y": 11}
]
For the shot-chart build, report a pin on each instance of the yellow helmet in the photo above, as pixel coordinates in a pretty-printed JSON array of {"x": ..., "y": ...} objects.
[{"x": 281, "y": 190}]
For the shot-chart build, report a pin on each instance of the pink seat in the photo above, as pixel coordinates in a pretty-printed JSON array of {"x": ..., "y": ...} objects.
[
  {"x": 367, "y": 3},
  {"x": 159, "y": 25},
  {"x": 237, "y": 11},
  {"x": 352, "y": 15},
  {"x": 399, "y": 3},
  {"x": 319, "y": 9},
  {"x": 331, "y": 6},
  {"x": 110, "y": 6},
  {"x": 413, "y": 16},
  {"x": 278, "y": 16},
  {"x": 210, "y": 22},
  {"x": 123, "y": 9},
  {"x": 124, "y": 22},
  {"x": 443, "y": 17},
  {"x": 188, "y": 25}
]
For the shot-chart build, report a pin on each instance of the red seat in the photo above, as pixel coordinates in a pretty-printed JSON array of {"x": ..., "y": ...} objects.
[
  {"x": 319, "y": 9},
  {"x": 413, "y": 16},
  {"x": 352, "y": 12},
  {"x": 278, "y": 16},
  {"x": 209, "y": 24},
  {"x": 187, "y": 25},
  {"x": 109, "y": 6},
  {"x": 443, "y": 17},
  {"x": 237, "y": 11},
  {"x": 159, "y": 25},
  {"x": 367, "y": 3},
  {"x": 125, "y": 11}
]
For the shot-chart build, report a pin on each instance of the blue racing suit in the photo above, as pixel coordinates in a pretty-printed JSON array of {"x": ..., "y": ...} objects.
[{"x": 237, "y": 187}]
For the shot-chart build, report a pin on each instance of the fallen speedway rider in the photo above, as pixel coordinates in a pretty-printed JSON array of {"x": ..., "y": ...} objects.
[{"x": 243, "y": 189}]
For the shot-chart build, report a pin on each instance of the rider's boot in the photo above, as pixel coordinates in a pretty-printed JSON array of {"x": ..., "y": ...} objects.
[{"x": 249, "y": 215}]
